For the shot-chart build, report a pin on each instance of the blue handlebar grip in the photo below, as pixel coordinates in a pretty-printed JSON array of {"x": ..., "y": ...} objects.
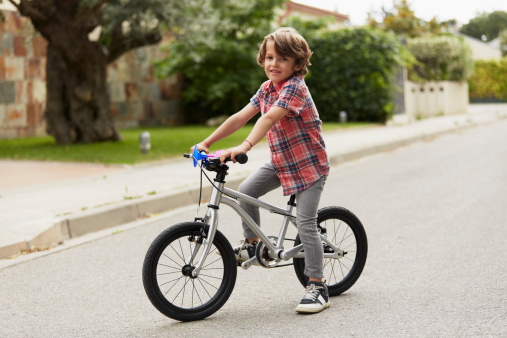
[{"x": 198, "y": 155}]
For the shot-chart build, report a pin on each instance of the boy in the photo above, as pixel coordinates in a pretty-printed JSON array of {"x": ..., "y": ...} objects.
[{"x": 299, "y": 162}]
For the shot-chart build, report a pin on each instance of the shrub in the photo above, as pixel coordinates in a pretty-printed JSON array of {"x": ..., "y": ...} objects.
[
  {"x": 489, "y": 80},
  {"x": 352, "y": 70},
  {"x": 440, "y": 58}
]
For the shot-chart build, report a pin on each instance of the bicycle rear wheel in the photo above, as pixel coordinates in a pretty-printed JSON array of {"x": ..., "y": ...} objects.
[
  {"x": 167, "y": 277},
  {"x": 345, "y": 230}
]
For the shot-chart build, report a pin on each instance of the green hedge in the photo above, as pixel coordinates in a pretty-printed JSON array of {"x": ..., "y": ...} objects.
[
  {"x": 489, "y": 80},
  {"x": 352, "y": 71}
]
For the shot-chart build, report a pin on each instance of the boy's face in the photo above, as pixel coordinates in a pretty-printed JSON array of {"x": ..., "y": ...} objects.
[{"x": 278, "y": 68}]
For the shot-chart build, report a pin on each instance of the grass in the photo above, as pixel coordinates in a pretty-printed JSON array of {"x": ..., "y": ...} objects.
[{"x": 166, "y": 142}]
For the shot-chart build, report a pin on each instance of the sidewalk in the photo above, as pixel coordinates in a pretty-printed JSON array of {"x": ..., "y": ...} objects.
[{"x": 43, "y": 204}]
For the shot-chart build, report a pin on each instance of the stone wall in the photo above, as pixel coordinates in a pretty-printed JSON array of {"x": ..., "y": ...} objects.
[
  {"x": 22, "y": 78},
  {"x": 137, "y": 97}
]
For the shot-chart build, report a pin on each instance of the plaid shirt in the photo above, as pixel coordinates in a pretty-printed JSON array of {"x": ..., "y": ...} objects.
[{"x": 298, "y": 152}]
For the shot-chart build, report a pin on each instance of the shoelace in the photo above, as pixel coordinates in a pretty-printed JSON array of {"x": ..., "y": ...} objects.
[{"x": 312, "y": 292}]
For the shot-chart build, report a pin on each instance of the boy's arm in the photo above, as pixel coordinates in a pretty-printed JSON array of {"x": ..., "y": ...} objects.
[
  {"x": 261, "y": 128},
  {"x": 232, "y": 124}
]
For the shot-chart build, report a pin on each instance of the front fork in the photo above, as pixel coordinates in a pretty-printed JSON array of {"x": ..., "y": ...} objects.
[{"x": 210, "y": 218}]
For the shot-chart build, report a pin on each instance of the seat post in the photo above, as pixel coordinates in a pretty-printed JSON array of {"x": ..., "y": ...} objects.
[{"x": 292, "y": 200}]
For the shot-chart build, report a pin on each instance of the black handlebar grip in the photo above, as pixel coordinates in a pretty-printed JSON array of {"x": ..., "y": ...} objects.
[{"x": 242, "y": 158}]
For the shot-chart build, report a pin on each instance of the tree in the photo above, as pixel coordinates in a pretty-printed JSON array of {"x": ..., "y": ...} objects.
[
  {"x": 440, "y": 58},
  {"x": 220, "y": 78},
  {"x": 352, "y": 70},
  {"x": 486, "y": 26},
  {"x": 77, "y": 107},
  {"x": 401, "y": 20},
  {"x": 503, "y": 41}
]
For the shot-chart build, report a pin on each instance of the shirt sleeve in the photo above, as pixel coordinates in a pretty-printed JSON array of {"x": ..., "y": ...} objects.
[{"x": 291, "y": 97}]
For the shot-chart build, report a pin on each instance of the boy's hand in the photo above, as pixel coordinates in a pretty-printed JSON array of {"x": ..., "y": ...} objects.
[
  {"x": 201, "y": 147},
  {"x": 233, "y": 152}
]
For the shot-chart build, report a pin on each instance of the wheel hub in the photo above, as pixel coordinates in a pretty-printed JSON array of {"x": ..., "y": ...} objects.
[{"x": 187, "y": 271}]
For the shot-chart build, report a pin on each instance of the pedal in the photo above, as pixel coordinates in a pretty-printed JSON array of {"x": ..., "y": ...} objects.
[{"x": 247, "y": 264}]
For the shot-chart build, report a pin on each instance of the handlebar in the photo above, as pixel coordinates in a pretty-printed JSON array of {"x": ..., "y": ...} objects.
[{"x": 240, "y": 158}]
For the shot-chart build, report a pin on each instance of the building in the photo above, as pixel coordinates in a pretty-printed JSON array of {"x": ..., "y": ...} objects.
[
  {"x": 482, "y": 50},
  {"x": 311, "y": 13}
]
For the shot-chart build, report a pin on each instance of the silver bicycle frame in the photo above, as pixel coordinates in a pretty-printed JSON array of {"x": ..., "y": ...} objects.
[{"x": 275, "y": 251}]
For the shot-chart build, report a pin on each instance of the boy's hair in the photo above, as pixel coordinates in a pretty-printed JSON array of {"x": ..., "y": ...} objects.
[{"x": 288, "y": 42}]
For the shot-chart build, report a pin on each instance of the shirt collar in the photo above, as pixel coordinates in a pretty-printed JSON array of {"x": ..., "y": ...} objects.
[{"x": 279, "y": 85}]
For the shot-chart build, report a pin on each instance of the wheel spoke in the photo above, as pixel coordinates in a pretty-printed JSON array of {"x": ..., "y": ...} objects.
[
  {"x": 346, "y": 238},
  {"x": 167, "y": 273},
  {"x": 177, "y": 279},
  {"x": 205, "y": 281},
  {"x": 199, "y": 279},
  {"x": 332, "y": 270},
  {"x": 339, "y": 245},
  {"x": 219, "y": 258},
  {"x": 178, "y": 253},
  {"x": 342, "y": 263},
  {"x": 352, "y": 260},
  {"x": 180, "y": 291},
  {"x": 325, "y": 264},
  {"x": 349, "y": 246},
  {"x": 168, "y": 266},
  {"x": 182, "y": 252},
  {"x": 341, "y": 268},
  {"x": 197, "y": 293},
  {"x": 210, "y": 276},
  {"x": 337, "y": 230},
  {"x": 170, "y": 259}
]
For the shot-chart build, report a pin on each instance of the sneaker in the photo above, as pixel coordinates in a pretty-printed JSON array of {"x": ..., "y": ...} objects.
[
  {"x": 245, "y": 251},
  {"x": 316, "y": 298}
]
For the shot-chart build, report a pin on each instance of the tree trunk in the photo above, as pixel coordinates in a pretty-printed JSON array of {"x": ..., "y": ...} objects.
[{"x": 77, "y": 108}]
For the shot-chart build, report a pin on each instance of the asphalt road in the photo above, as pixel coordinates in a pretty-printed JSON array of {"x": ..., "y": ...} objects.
[{"x": 435, "y": 215}]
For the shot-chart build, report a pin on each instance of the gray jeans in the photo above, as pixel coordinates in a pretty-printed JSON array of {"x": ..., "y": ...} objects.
[{"x": 263, "y": 181}]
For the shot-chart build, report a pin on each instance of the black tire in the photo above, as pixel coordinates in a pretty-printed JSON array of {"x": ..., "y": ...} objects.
[
  {"x": 177, "y": 295},
  {"x": 346, "y": 231}
]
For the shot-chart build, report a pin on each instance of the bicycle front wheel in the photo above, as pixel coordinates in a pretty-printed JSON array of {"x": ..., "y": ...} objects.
[
  {"x": 167, "y": 276},
  {"x": 344, "y": 229}
]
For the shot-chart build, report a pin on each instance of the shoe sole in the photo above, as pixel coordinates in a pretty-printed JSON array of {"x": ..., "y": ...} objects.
[{"x": 312, "y": 310}]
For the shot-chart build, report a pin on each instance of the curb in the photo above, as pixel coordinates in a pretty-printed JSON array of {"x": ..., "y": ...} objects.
[
  {"x": 72, "y": 226},
  {"x": 109, "y": 216}
]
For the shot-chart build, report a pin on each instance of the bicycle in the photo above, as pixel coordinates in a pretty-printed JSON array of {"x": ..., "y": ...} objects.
[{"x": 190, "y": 269}]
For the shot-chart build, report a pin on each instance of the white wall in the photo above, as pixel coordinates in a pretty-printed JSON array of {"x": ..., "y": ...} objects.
[{"x": 435, "y": 98}]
